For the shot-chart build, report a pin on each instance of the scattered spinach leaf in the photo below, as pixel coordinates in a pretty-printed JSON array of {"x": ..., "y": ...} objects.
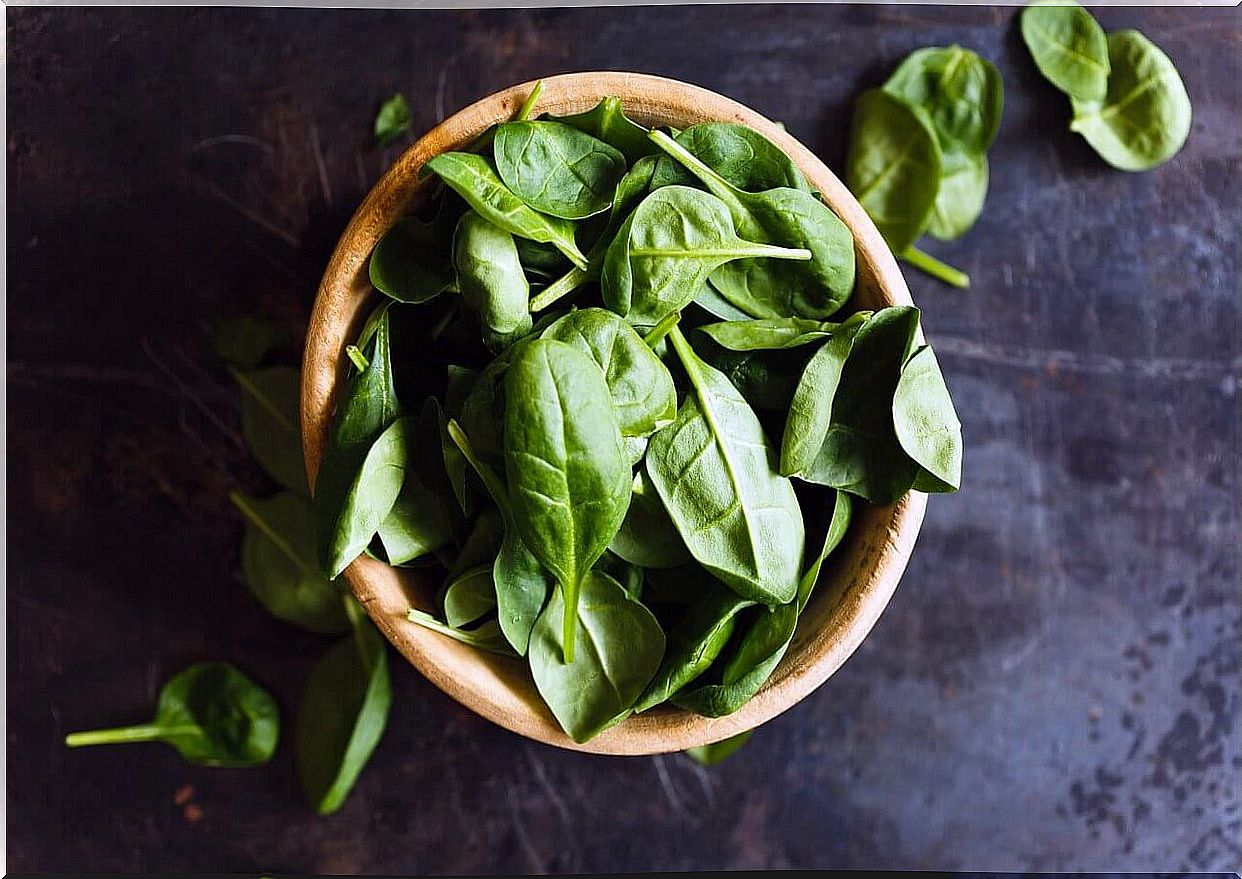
[
  {"x": 392, "y": 120},
  {"x": 1069, "y": 48}
]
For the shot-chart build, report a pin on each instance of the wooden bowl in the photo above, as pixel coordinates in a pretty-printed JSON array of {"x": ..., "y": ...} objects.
[{"x": 855, "y": 586}]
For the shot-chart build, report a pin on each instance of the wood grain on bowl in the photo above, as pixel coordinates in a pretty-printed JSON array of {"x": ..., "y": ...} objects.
[{"x": 860, "y": 577}]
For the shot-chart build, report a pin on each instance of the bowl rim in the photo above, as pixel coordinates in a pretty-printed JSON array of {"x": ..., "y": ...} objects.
[{"x": 337, "y": 312}]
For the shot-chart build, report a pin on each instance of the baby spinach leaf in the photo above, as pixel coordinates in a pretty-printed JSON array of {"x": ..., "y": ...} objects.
[
  {"x": 486, "y": 636},
  {"x": 469, "y": 596},
  {"x": 595, "y": 686},
  {"x": 1069, "y": 48},
  {"x": 715, "y": 471},
  {"x": 608, "y": 122},
  {"x": 392, "y": 120},
  {"x": 635, "y": 448},
  {"x": 541, "y": 260},
  {"x": 769, "y": 333},
  {"x": 641, "y": 386},
  {"x": 765, "y": 378},
  {"x": 243, "y": 342},
  {"x": 630, "y": 577},
  {"x": 810, "y": 410},
  {"x": 474, "y": 178},
  {"x": 961, "y": 93},
  {"x": 647, "y": 536},
  {"x": 789, "y": 217},
  {"x": 270, "y": 422},
  {"x": 489, "y": 274},
  {"x": 861, "y": 453},
  {"x": 408, "y": 263},
  {"x": 765, "y": 642},
  {"x": 959, "y": 201},
  {"x": 211, "y": 713},
  {"x": 710, "y": 755},
  {"x": 664, "y": 252},
  {"x": 894, "y": 166},
  {"x": 558, "y": 169},
  {"x": 417, "y": 523},
  {"x": 926, "y": 423},
  {"x": 569, "y": 482},
  {"x": 481, "y": 543},
  {"x": 278, "y": 562},
  {"x": 1144, "y": 118},
  {"x": 368, "y": 406},
  {"x": 741, "y": 155},
  {"x": 712, "y": 302},
  {"x": 694, "y": 642},
  {"x": 342, "y": 715}
]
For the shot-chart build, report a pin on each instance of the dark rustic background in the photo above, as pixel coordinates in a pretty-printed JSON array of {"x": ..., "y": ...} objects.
[{"x": 1055, "y": 684}]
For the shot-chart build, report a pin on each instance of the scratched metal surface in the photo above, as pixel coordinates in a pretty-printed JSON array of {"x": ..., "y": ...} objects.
[{"x": 1055, "y": 685}]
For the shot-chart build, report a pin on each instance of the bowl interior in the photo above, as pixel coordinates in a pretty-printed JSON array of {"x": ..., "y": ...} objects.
[{"x": 855, "y": 585}]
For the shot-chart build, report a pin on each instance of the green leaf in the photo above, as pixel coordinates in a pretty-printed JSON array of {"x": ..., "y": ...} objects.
[
  {"x": 474, "y": 178},
  {"x": 278, "y": 562},
  {"x": 861, "y": 453},
  {"x": 647, "y": 536},
  {"x": 569, "y": 482},
  {"x": 492, "y": 283},
  {"x": 342, "y": 715},
  {"x": 1145, "y": 117},
  {"x": 620, "y": 648},
  {"x": 894, "y": 166},
  {"x": 810, "y": 410},
  {"x": 926, "y": 422},
  {"x": 409, "y": 264},
  {"x": 558, "y": 169},
  {"x": 211, "y": 713},
  {"x": 392, "y": 120},
  {"x": 769, "y": 333},
  {"x": 961, "y": 93},
  {"x": 640, "y": 384},
  {"x": 741, "y": 155},
  {"x": 1069, "y": 48},
  {"x": 710, "y": 755},
  {"x": 959, "y": 201},
  {"x": 470, "y": 596},
  {"x": 789, "y": 217},
  {"x": 715, "y": 471},
  {"x": 243, "y": 342},
  {"x": 486, "y": 637},
  {"x": 271, "y": 423},
  {"x": 608, "y": 122}
]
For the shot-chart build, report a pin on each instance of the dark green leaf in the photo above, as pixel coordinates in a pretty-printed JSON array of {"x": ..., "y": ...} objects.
[
  {"x": 961, "y": 93},
  {"x": 558, "y": 169},
  {"x": 271, "y": 422},
  {"x": 492, "y": 283},
  {"x": 409, "y": 264},
  {"x": 608, "y": 122},
  {"x": 647, "y": 536},
  {"x": 393, "y": 119},
  {"x": 925, "y": 421},
  {"x": 741, "y": 155},
  {"x": 243, "y": 342},
  {"x": 710, "y": 755}
]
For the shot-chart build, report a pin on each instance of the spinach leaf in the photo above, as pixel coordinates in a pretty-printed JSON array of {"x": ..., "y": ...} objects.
[
  {"x": 481, "y": 543},
  {"x": 647, "y": 536},
  {"x": 594, "y": 687},
  {"x": 959, "y": 201},
  {"x": 522, "y": 582},
  {"x": 635, "y": 448},
  {"x": 715, "y": 471},
  {"x": 243, "y": 342},
  {"x": 558, "y": 169},
  {"x": 1069, "y": 48},
  {"x": 486, "y": 636},
  {"x": 392, "y": 120},
  {"x": 368, "y": 406},
  {"x": 770, "y": 333},
  {"x": 926, "y": 423},
  {"x": 894, "y": 166},
  {"x": 608, "y": 122},
  {"x": 693, "y": 645},
  {"x": 710, "y": 755},
  {"x": 569, "y": 482},
  {"x": 765, "y": 378},
  {"x": 712, "y": 302},
  {"x": 270, "y": 423},
  {"x": 278, "y": 562},
  {"x": 641, "y": 386},
  {"x": 492, "y": 283},
  {"x": 789, "y": 217},
  {"x": 629, "y": 576},
  {"x": 541, "y": 260},
  {"x": 961, "y": 93},
  {"x": 342, "y": 715},
  {"x": 861, "y": 453},
  {"x": 741, "y": 155},
  {"x": 474, "y": 178},
  {"x": 211, "y": 713},
  {"x": 470, "y": 596},
  {"x": 765, "y": 642},
  {"x": 408, "y": 263},
  {"x": 810, "y": 410},
  {"x": 664, "y": 252},
  {"x": 1144, "y": 118}
]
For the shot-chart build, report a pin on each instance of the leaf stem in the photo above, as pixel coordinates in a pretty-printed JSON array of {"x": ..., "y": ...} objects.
[
  {"x": 145, "y": 732},
  {"x": 360, "y": 360},
  {"x": 718, "y": 186},
  {"x": 528, "y": 106},
  {"x": 657, "y": 333},
  {"x": 940, "y": 270},
  {"x": 561, "y": 287}
]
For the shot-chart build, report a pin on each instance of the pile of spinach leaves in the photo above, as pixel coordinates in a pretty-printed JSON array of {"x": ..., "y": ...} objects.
[{"x": 614, "y": 391}]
